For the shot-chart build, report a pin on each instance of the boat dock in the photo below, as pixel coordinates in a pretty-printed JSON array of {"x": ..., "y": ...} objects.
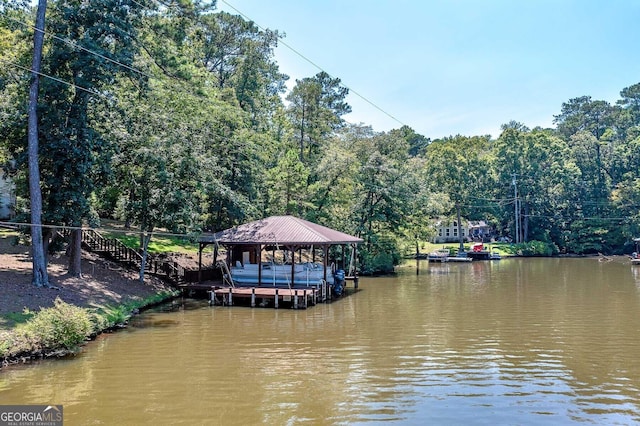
[{"x": 221, "y": 294}]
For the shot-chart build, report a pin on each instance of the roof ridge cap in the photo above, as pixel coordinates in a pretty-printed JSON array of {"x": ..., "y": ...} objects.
[{"x": 306, "y": 223}]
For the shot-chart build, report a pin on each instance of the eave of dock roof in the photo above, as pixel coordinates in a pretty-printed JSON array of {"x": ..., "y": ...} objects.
[{"x": 284, "y": 230}]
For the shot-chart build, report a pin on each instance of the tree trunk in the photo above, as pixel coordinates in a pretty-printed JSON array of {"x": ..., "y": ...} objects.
[
  {"x": 525, "y": 226},
  {"x": 40, "y": 278},
  {"x": 46, "y": 239},
  {"x": 75, "y": 253},
  {"x": 146, "y": 238},
  {"x": 461, "y": 247}
]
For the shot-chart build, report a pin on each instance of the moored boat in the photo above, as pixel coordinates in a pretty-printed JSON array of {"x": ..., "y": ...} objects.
[
  {"x": 461, "y": 257},
  {"x": 440, "y": 255},
  {"x": 304, "y": 274}
]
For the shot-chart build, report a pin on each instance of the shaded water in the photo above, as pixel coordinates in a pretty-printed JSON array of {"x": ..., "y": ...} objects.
[{"x": 519, "y": 341}]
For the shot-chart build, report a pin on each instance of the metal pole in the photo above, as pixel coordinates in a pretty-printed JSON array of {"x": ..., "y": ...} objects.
[{"x": 515, "y": 208}]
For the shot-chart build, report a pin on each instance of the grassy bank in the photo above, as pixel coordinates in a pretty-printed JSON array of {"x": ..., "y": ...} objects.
[{"x": 63, "y": 328}]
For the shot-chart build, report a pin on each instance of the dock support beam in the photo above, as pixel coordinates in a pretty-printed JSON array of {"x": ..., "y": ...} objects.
[
  {"x": 295, "y": 300},
  {"x": 253, "y": 297},
  {"x": 230, "y": 300},
  {"x": 275, "y": 300}
]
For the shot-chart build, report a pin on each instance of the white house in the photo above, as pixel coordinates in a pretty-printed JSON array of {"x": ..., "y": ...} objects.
[
  {"x": 7, "y": 197},
  {"x": 447, "y": 231}
]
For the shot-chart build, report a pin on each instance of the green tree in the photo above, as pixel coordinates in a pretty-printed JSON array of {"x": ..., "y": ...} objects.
[
  {"x": 70, "y": 145},
  {"x": 316, "y": 108},
  {"x": 458, "y": 166},
  {"x": 287, "y": 183},
  {"x": 584, "y": 114},
  {"x": 544, "y": 175},
  {"x": 239, "y": 56}
]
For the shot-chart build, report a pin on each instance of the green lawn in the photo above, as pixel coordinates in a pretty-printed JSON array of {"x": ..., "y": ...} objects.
[{"x": 158, "y": 244}]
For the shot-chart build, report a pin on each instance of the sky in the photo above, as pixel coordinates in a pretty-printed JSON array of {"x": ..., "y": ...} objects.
[{"x": 448, "y": 67}]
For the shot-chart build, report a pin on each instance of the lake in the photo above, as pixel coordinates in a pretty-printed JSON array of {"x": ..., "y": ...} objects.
[{"x": 516, "y": 341}]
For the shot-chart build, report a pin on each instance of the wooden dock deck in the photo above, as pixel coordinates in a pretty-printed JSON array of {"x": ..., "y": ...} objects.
[{"x": 263, "y": 296}]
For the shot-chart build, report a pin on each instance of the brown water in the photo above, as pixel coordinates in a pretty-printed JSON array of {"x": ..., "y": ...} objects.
[{"x": 519, "y": 341}]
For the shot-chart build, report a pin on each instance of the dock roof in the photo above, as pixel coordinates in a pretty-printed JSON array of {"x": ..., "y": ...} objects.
[{"x": 281, "y": 230}]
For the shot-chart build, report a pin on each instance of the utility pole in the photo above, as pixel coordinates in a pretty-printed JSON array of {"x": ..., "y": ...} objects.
[{"x": 515, "y": 207}]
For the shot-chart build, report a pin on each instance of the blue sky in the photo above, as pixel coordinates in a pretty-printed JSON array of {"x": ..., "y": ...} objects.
[{"x": 446, "y": 67}]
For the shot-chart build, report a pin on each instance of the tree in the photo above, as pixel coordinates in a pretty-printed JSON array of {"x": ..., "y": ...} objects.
[
  {"x": 631, "y": 102},
  {"x": 584, "y": 114},
  {"x": 544, "y": 174},
  {"x": 239, "y": 56},
  {"x": 287, "y": 183},
  {"x": 71, "y": 145},
  {"x": 458, "y": 166},
  {"x": 40, "y": 278},
  {"x": 316, "y": 109},
  {"x": 381, "y": 195},
  {"x": 162, "y": 163}
]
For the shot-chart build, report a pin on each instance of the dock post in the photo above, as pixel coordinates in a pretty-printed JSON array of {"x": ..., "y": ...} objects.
[
  {"x": 295, "y": 300},
  {"x": 305, "y": 301},
  {"x": 253, "y": 297},
  {"x": 329, "y": 291},
  {"x": 230, "y": 297},
  {"x": 355, "y": 281},
  {"x": 275, "y": 301},
  {"x": 314, "y": 294}
]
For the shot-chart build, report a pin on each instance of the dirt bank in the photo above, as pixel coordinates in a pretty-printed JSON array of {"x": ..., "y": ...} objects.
[{"x": 103, "y": 282}]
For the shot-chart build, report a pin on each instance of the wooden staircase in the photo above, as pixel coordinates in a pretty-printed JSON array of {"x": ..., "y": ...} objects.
[{"x": 115, "y": 250}]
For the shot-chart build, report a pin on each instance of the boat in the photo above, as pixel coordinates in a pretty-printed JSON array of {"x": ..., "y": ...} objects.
[
  {"x": 478, "y": 252},
  {"x": 635, "y": 258},
  {"x": 495, "y": 255},
  {"x": 279, "y": 275},
  {"x": 460, "y": 257},
  {"x": 440, "y": 255}
]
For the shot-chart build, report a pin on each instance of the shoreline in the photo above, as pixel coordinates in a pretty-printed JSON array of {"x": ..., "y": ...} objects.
[
  {"x": 55, "y": 351},
  {"x": 101, "y": 301}
]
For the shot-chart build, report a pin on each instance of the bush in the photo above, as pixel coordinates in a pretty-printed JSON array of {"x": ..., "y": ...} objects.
[
  {"x": 533, "y": 248},
  {"x": 62, "y": 326}
]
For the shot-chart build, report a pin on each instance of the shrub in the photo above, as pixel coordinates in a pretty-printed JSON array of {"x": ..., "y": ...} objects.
[
  {"x": 533, "y": 248},
  {"x": 62, "y": 326}
]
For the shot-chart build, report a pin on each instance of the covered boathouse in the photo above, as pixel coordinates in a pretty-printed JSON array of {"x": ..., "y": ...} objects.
[{"x": 281, "y": 261}]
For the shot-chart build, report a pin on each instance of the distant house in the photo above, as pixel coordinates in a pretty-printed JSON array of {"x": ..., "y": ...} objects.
[
  {"x": 447, "y": 231},
  {"x": 480, "y": 231},
  {"x": 7, "y": 197}
]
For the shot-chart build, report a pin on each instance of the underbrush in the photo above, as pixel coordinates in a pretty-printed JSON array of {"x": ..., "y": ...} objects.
[{"x": 533, "y": 248}]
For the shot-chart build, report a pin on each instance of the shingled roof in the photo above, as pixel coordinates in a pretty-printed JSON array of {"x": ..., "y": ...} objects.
[{"x": 281, "y": 230}]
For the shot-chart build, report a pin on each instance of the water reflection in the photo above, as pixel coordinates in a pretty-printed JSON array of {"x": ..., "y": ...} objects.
[{"x": 526, "y": 341}]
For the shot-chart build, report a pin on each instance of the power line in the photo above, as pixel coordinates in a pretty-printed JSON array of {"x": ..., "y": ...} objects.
[
  {"x": 316, "y": 65},
  {"x": 52, "y": 78},
  {"x": 77, "y": 46},
  {"x": 105, "y": 230}
]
